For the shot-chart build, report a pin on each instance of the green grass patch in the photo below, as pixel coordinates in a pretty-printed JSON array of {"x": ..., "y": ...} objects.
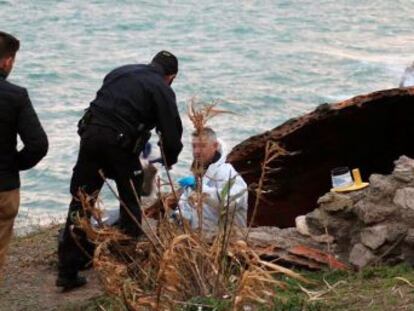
[
  {"x": 375, "y": 288},
  {"x": 207, "y": 304}
]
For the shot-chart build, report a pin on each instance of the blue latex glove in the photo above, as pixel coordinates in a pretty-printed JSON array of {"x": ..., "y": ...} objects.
[{"x": 188, "y": 181}]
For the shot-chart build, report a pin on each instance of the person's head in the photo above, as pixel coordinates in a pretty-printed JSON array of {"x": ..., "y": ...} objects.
[
  {"x": 205, "y": 145},
  {"x": 169, "y": 64},
  {"x": 9, "y": 45}
]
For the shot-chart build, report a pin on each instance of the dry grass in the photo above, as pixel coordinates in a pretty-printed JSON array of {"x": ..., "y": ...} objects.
[
  {"x": 174, "y": 263},
  {"x": 200, "y": 113},
  {"x": 272, "y": 151}
]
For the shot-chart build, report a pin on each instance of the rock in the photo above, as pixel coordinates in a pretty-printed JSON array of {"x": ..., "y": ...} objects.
[
  {"x": 302, "y": 228},
  {"x": 340, "y": 228},
  {"x": 317, "y": 221},
  {"x": 396, "y": 231},
  {"x": 380, "y": 187},
  {"x": 301, "y": 225},
  {"x": 405, "y": 198},
  {"x": 327, "y": 198},
  {"x": 390, "y": 253},
  {"x": 264, "y": 236},
  {"x": 404, "y": 169},
  {"x": 334, "y": 202},
  {"x": 374, "y": 237},
  {"x": 284, "y": 238},
  {"x": 409, "y": 238},
  {"x": 403, "y": 175},
  {"x": 323, "y": 238},
  {"x": 408, "y": 254},
  {"x": 361, "y": 256},
  {"x": 407, "y": 215},
  {"x": 356, "y": 196},
  {"x": 320, "y": 222},
  {"x": 408, "y": 247},
  {"x": 404, "y": 161},
  {"x": 370, "y": 213}
]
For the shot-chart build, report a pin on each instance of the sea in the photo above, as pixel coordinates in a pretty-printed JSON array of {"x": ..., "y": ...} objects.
[{"x": 266, "y": 61}]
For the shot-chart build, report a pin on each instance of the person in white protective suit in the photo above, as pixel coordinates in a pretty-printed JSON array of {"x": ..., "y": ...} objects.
[{"x": 222, "y": 186}]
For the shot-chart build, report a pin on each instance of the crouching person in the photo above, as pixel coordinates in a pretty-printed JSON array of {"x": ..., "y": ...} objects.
[{"x": 221, "y": 186}]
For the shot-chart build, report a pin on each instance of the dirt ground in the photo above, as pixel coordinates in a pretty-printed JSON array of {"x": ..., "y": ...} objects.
[
  {"x": 30, "y": 274},
  {"x": 31, "y": 268}
]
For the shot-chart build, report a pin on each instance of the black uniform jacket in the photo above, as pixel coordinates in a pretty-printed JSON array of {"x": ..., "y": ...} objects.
[
  {"x": 17, "y": 117},
  {"x": 138, "y": 94}
]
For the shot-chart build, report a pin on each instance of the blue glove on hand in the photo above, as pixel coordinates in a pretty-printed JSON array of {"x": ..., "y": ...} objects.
[{"x": 188, "y": 181}]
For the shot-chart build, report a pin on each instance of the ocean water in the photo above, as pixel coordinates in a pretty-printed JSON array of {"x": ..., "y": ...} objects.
[{"x": 267, "y": 61}]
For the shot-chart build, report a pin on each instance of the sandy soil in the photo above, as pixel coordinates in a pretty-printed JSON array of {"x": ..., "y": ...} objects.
[{"x": 30, "y": 273}]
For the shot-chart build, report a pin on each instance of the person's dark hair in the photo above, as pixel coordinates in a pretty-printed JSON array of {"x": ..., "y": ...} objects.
[
  {"x": 167, "y": 61},
  {"x": 9, "y": 45}
]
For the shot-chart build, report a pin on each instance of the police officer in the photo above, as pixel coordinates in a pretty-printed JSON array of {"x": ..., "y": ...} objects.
[{"x": 132, "y": 100}]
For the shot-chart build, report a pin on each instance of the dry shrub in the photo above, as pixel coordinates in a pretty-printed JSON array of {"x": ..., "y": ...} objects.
[{"x": 172, "y": 263}]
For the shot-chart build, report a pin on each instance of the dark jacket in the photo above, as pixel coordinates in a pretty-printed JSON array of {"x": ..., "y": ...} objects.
[
  {"x": 17, "y": 116},
  {"x": 138, "y": 94}
]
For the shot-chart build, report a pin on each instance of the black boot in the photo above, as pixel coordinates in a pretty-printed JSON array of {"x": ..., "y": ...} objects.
[
  {"x": 71, "y": 282},
  {"x": 71, "y": 260}
]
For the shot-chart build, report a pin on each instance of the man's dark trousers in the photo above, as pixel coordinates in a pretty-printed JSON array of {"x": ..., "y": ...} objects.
[{"x": 99, "y": 150}]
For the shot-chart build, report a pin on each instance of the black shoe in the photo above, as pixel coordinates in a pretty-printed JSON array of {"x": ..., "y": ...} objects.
[
  {"x": 71, "y": 283},
  {"x": 85, "y": 265}
]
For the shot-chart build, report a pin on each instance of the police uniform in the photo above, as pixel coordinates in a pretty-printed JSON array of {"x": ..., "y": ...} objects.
[{"x": 133, "y": 100}]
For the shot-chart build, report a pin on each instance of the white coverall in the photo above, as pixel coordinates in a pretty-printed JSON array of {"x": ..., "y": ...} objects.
[{"x": 214, "y": 181}]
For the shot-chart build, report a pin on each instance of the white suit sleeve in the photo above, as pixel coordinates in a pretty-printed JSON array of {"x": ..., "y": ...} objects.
[{"x": 187, "y": 211}]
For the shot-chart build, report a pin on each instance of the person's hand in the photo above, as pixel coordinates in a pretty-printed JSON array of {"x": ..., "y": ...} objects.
[
  {"x": 188, "y": 181},
  {"x": 157, "y": 160}
]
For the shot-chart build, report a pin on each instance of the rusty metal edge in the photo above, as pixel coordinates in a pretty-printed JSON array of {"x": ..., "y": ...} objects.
[{"x": 251, "y": 144}]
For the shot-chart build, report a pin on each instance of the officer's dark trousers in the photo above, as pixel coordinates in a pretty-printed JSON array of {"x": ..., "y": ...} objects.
[{"x": 99, "y": 150}]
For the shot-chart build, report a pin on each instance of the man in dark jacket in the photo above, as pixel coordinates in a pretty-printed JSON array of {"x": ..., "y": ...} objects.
[
  {"x": 17, "y": 117},
  {"x": 132, "y": 100}
]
